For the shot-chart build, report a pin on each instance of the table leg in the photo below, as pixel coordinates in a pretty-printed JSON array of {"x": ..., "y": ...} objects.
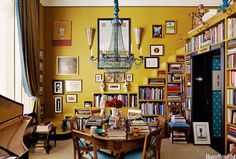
[
  {"x": 117, "y": 155},
  {"x": 172, "y": 134}
]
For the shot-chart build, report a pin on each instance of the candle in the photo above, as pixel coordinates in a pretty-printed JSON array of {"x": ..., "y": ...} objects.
[{"x": 141, "y": 51}]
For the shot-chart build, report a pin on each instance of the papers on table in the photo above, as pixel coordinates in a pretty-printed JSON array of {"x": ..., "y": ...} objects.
[{"x": 117, "y": 134}]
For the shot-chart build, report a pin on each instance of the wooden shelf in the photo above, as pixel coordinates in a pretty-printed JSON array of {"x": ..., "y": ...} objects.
[
  {"x": 232, "y": 87},
  {"x": 231, "y": 69},
  {"x": 174, "y": 91},
  {"x": 231, "y": 106},
  {"x": 233, "y": 53},
  {"x": 151, "y": 100},
  {"x": 233, "y": 125},
  {"x": 153, "y": 85}
]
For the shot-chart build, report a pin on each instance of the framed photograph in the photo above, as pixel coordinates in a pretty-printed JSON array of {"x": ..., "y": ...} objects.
[
  {"x": 151, "y": 62},
  {"x": 73, "y": 85},
  {"x": 87, "y": 104},
  {"x": 180, "y": 58},
  {"x": 58, "y": 102},
  {"x": 105, "y": 33},
  {"x": 98, "y": 78},
  {"x": 201, "y": 133},
  {"x": 170, "y": 27},
  {"x": 157, "y": 31},
  {"x": 71, "y": 98},
  {"x": 129, "y": 77},
  {"x": 119, "y": 77},
  {"x": 67, "y": 65},
  {"x": 109, "y": 77},
  {"x": 115, "y": 87},
  {"x": 156, "y": 50},
  {"x": 58, "y": 86},
  {"x": 61, "y": 33}
]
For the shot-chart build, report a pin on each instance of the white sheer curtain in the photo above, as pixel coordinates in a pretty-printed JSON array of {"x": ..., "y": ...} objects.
[{"x": 10, "y": 67}]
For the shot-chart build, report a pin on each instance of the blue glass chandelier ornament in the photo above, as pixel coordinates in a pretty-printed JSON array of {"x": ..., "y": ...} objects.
[
  {"x": 116, "y": 59},
  {"x": 225, "y": 4}
]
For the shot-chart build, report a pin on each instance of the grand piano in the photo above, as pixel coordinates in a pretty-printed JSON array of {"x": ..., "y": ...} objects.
[{"x": 13, "y": 127}]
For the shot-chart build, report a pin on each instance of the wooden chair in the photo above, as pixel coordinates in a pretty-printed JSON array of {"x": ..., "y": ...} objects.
[
  {"x": 85, "y": 152},
  {"x": 151, "y": 148}
]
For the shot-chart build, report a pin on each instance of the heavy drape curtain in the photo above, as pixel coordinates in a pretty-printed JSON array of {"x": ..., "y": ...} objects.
[{"x": 27, "y": 12}]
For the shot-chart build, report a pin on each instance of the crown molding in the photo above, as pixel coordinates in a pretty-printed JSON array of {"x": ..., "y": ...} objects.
[{"x": 95, "y": 3}]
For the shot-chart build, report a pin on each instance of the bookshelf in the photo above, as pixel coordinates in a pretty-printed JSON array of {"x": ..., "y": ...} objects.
[
  {"x": 175, "y": 87},
  {"x": 188, "y": 87}
]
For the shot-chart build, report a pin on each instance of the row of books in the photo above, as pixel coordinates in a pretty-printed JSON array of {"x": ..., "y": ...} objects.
[
  {"x": 231, "y": 97},
  {"x": 232, "y": 61},
  {"x": 156, "y": 81},
  {"x": 231, "y": 116},
  {"x": 152, "y": 108},
  {"x": 174, "y": 77},
  {"x": 173, "y": 87},
  {"x": 231, "y": 46},
  {"x": 231, "y": 27},
  {"x": 231, "y": 133},
  {"x": 133, "y": 100},
  {"x": 151, "y": 93},
  {"x": 174, "y": 96},
  {"x": 174, "y": 68},
  {"x": 232, "y": 78}
]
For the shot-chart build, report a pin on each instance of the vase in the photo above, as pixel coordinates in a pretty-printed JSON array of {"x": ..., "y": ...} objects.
[{"x": 113, "y": 112}]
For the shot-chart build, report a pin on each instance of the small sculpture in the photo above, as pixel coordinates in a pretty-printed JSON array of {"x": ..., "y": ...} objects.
[
  {"x": 126, "y": 84},
  {"x": 117, "y": 120},
  {"x": 197, "y": 17},
  {"x": 102, "y": 86},
  {"x": 103, "y": 106}
]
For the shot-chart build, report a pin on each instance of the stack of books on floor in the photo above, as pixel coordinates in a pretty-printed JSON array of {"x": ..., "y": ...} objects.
[
  {"x": 178, "y": 119},
  {"x": 117, "y": 134},
  {"x": 232, "y": 133},
  {"x": 179, "y": 137},
  {"x": 39, "y": 147},
  {"x": 141, "y": 124}
]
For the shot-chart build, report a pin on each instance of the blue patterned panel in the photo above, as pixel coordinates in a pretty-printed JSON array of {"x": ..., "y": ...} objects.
[
  {"x": 216, "y": 113},
  {"x": 215, "y": 63}
]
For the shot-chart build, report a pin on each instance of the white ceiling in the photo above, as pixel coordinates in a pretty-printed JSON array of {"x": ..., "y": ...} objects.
[{"x": 130, "y": 2}]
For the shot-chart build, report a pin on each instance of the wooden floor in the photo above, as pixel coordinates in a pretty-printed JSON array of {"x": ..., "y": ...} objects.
[{"x": 64, "y": 150}]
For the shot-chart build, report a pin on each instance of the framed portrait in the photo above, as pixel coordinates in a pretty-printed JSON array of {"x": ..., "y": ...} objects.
[
  {"x": 114, "y": 87},
  {"x": 119, "y": 77},
  {"x": 105, "y": 33},
  {"x": 151, "y": 62},
  {"x": 58, "y": 87},
  {"x": 156, "y": 50},
  {"x": 67, "y": 65},
  {"x": 98, "y": 78},
  {"x": 129, "y": 77},
  {"x": 170, "y": 27},
  {"x": 157, "y": 31},
  {"x": 87, "y": 104},
  {"x": 71, "y": 98},
  {"x": 109, "y": 77},
  {"x": 180, "y": 58},
  {"x": 73, "y": 85},
  {"x": 61, "y": 33},
  {"x": 58, "y": 102},
  {"x": 201, "y": 133}
]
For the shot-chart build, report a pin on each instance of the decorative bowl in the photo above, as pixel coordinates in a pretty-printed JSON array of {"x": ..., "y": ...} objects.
[
  {"x": 135, "y": 130},
  {"x": 99, "y": 131}
]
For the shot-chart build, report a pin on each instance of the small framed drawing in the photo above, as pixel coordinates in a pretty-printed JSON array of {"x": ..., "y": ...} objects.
[
  {"x": 170, "y": 27},
  {"x": 109, "y": 77},
  {"x": 71, "y": 98},
  {"x": 151, "y": 62},
  {"x": 157, "y": 31},
  {"x": 73, "y": 85},
  {"x": 156, "y": 50},
  {"x": 98, "y": 78},
  {"x": 119, "y": 77},
  {"x": 67, "y": 65},
  {"x": 201, "y": 133},
  {"x": 58, "y": 102},
  {"x": 129, "y": 77},
  {"x": 58, "y": 87},
  {"x": 114, "y": 87},
  {"x": 87, "y": 104}
]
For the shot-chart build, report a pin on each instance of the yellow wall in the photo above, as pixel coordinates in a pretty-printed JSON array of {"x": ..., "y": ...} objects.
[{"x": 83, "y": 17}]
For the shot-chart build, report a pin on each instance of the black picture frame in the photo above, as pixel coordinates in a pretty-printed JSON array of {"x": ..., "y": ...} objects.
[
  {"x": 157, "y": 50},
  {"x": 58, "y": 102},
  {"x": 104, "y": 34},
  {"x": 157, "y": 31},
  {"x": 58, "y": 87},
  {"x": 151, "y": 62}
]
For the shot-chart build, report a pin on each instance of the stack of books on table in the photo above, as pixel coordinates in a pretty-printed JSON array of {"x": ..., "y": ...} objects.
[
  {"x": 117, "y": 134},
  {"x": 178, "y": 119},
  {"x": 44, "y": 128},
  {"x": 112, "y": 121},
  {"x": 94, "y": 121},
  {"x": 141, "y": 124}
]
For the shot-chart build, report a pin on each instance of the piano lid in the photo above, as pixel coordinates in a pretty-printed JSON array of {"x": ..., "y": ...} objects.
[{"x": 9, "y": 109}]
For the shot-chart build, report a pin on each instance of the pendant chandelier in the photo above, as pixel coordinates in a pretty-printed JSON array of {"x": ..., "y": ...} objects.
[{"x": 116, "y": 59}]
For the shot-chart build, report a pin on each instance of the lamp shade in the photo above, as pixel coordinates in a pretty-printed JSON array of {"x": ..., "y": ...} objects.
[
  {"x": 90, "y": 36},
  {"x": 138, "y": 36}
]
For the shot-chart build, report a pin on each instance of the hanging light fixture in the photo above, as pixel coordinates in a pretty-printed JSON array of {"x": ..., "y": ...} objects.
[{"x": 116, "y": 59}]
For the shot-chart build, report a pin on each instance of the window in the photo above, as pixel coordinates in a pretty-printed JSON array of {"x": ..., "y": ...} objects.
[{"x": 10, "y": 66}]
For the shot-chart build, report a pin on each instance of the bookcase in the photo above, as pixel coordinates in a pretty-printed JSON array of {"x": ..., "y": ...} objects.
[
  {"x": 175, "y": 87},
  {"x": 188, "y": 87}
]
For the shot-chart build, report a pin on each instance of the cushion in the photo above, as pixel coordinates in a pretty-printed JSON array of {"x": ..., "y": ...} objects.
[
  {"x": 101, "y": 155},
  {"x": 172, "y": 124}
]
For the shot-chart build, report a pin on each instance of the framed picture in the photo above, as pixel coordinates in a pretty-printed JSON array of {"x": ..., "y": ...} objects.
[
  {"x": 156, "y": 50},
  {"x": 157, "y": 31},
  {"x": 71, "y": 98},
  {"x": 67, "y": 65},
  {"x": 58, "y": 102},
  {"x": 151, "y": 62},
  {"x": 161, "y": 73},
  {"x": 119, "y": 77},
  {"x": 109, "y": 77},
  {"x": 73, "y": 85},
  {"x": 170, "y": 27},
  {"x": 201, "y": 133},
  {"x": 114, "y": 87},
  {"x": 180, "y": 58},
  {"x": 61, "y": 33},
  {"x": 87, "y": 103},
  {"x": 58, "y": 87},
  {"x": 98, "y": 78},
  {"x": 105, "y": 34},
  {"x": 129, "y": 77}
]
